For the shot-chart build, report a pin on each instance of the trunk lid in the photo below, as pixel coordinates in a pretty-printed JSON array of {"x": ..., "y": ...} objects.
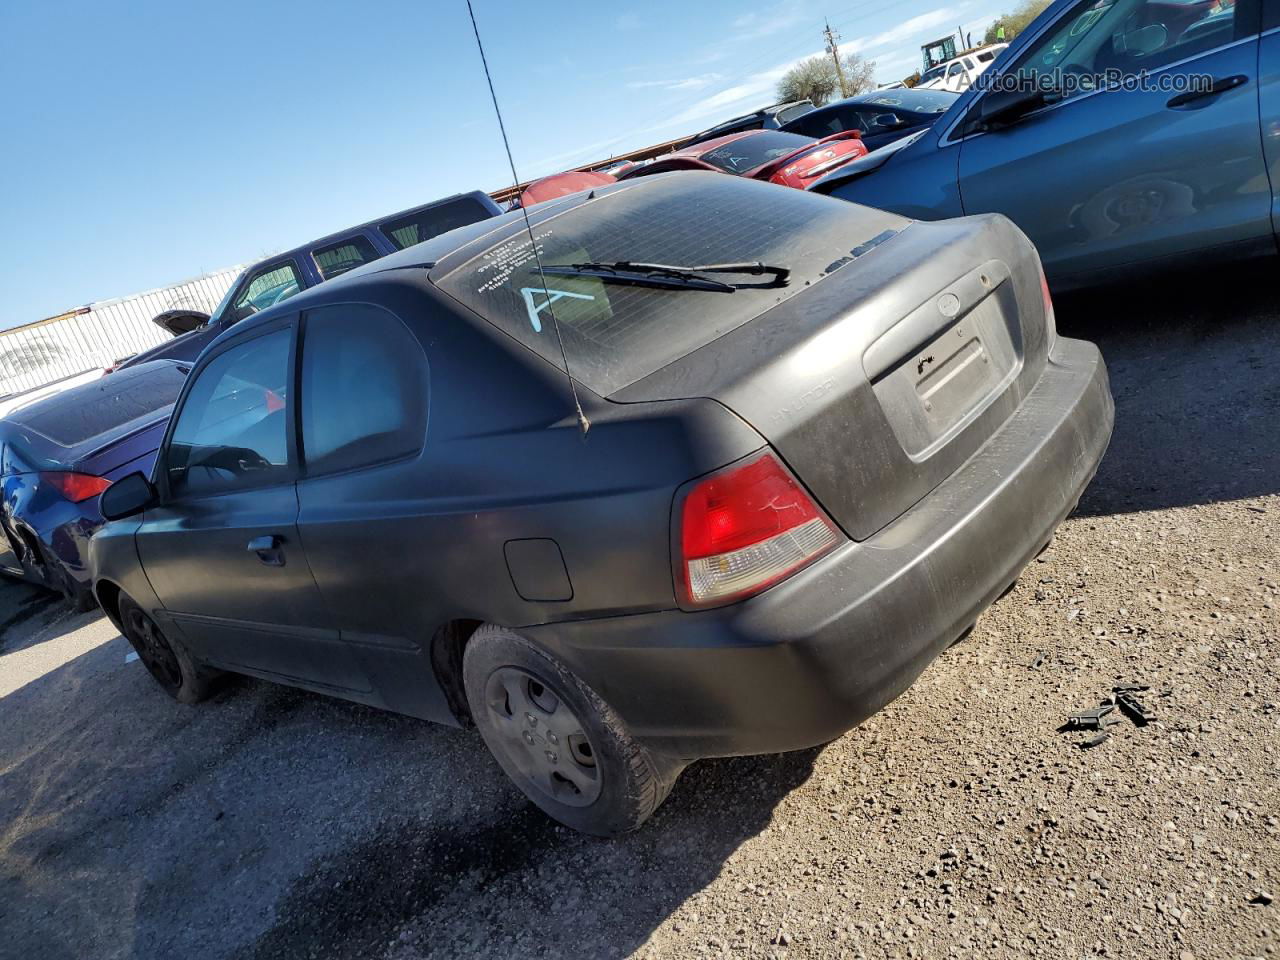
[{"x": 878, "y": 382}]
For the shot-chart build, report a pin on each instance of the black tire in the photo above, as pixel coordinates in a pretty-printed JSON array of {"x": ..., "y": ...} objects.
[
  {"x": 167, "y": 661},
  {"x": 614, "y": 783}
]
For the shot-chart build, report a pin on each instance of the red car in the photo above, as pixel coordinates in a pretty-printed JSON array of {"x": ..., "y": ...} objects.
[
  {"x": 560, "y": 185},
  {"x": 786, "y": 158}
]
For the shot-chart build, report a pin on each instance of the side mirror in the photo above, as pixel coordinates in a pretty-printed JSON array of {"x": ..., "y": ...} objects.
[
  {"x": 127, "y": 496},
  {"x": 889, "y": 121},
  {"x": 1001, "y": 107}
]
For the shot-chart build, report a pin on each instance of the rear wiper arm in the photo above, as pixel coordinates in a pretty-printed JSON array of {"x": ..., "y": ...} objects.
[{"x": 667, "y": 275}]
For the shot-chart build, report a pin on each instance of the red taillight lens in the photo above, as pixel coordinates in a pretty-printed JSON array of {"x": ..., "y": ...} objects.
[
  {"x": 744, "y": 529},
  {"x": 76, "y": 487},
  {"x": 1050, "y": 321}
]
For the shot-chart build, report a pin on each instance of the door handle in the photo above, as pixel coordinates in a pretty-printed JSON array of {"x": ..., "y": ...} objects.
[
  {"x": 1220, "y": 85},
  {"x": 268, "y": 548}
]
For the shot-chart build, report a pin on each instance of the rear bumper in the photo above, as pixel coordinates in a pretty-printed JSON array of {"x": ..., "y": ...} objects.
[{"x": 817, "y": 654}]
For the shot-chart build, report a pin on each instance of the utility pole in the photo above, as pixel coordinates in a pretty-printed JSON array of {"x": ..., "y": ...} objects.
[{"x": 831, "y": 37}]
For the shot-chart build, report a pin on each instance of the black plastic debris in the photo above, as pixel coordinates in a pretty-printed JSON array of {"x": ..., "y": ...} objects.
[
  {"x": 1131, "y": 688},
  {"x": 1096, "y": 718},
  {"x": 1134, "y": 709},
  {"x": 1123, "y": 700}
]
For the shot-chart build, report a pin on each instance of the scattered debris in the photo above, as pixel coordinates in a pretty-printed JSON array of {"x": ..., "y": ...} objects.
[
  {"x": 1038, "y": 662},
  {"x": 1096, "y": 718},
  {"x": 131, "y": 656},
  {"x": 1124, "y": 697},
  {"x": 1133, "y": 708}
]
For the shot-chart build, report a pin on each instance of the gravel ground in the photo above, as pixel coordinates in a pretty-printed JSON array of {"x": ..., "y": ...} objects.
[{"x": 958, "y": 822}]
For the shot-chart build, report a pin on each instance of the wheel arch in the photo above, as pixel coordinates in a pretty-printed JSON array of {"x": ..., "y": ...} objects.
[
  {"x": 447, "y": 645},
  {"x": 108, "y": 594}
]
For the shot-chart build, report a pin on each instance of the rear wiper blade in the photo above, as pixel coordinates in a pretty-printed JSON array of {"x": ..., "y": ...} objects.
[{"x": 667, "y": 275}]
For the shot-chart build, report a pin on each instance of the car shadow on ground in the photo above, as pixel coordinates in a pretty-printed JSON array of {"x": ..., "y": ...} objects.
[
  {"x": 24, "y": 609},
  {"x": 271, "y": 822},
  {"x": 1196, "y": 379}
]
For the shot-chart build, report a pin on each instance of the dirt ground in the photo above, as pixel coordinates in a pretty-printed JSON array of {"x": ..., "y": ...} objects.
[{"x": 957, "y": 823}]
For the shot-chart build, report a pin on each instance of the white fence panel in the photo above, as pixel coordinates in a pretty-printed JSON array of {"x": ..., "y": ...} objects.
[{"x": 97, "y": 335}]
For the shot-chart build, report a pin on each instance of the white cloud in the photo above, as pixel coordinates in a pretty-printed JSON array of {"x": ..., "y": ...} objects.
[
  {"x": 752, "y": 26},
  {"x": 906, "y": 30},
  {"x": 688, "y": 83},
  {"x": 753, "y": 92}
]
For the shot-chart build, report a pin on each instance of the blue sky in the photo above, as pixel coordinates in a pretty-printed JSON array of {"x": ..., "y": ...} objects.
[{"x": 149, "y": 142}]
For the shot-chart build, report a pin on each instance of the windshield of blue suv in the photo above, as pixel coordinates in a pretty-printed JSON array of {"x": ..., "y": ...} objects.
[{"x": 615, "y": 334}]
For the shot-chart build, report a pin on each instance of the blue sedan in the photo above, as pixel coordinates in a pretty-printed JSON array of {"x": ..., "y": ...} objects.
[
  {"x": 59, "y": 454},
  {"x": 1118, "y": 134}
]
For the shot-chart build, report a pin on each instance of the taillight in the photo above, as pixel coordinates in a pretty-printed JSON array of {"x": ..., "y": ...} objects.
[
  {"x": 76, "y": 487},
  {"x": 1050, "y": 320},
  {"x": 744, "y": 529}
]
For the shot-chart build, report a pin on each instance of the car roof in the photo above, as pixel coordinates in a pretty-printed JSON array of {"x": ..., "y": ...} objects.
[
  {"x": 304, "y": 248},
  {"x": 773, "y": 108},
  {"x": 427, "y": 254}
]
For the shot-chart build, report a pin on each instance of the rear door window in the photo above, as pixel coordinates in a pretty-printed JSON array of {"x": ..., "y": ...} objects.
[
  {"x": 434, "y": 220},
  {"x": 232, "y": 429},
  {"x": 337, "y": 258},
  {"x": 614, "y": 334},
  {"x": 363, "y": 388},
  {"x": 266, "y": 287}
]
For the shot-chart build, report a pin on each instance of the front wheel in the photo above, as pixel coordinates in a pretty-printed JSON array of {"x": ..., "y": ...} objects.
[
  {"x": 561, "y": 744},
  {"x": 168, "y": 663}
]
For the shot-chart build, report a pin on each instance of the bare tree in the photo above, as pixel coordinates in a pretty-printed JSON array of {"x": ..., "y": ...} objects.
[
  {"x": 815, "y": 79},
  {"x": 859, "y": 74}
]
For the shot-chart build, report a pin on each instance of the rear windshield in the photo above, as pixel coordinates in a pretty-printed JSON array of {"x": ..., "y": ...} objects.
[
  {"x": 755, "y": 150},
  {"x": 614, "y": 335},
  {"x": 84, "y": 412},
  {"x": 433, "y": 221},
  {"x": 916, "y": 101},
  {"x": 788, "y": 114}
]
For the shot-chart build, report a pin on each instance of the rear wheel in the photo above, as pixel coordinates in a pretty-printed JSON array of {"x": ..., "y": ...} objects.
[
  {"x": 167, "y": 662},
  {"x": 561, "y": 744}
]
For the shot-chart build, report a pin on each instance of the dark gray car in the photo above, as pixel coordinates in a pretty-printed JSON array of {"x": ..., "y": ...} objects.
[{"x": 822, "y": 439}]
